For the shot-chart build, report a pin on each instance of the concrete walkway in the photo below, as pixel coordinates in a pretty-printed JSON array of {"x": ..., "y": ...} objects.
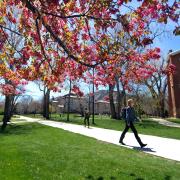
[
  {"x": 163, "y": 147},
  {"x": 165, "y": 122}
]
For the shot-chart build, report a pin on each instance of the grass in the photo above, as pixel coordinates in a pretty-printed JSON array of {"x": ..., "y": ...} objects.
[
  {"x": 1, "y": 116},
  {"x": 13, "y": 118},
  {"x": 175, "y": 120},
  {"x": 33, "y": 151},
  {"x": 147, "y": 126}
]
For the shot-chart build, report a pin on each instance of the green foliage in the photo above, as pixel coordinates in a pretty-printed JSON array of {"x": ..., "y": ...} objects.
[{"x": 33, "y": 151}]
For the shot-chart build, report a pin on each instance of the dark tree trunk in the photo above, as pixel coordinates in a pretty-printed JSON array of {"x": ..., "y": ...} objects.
[
  {"x": 69, "y": 99},
  {"x": 7, "y": 110},
  {"x": 89, "y": 103},
  {"x": 118, "y": 99},
  {"x": 93, "y": 101},
  {"x": 9, "y": 106},
  {"x": 162, "y": 108},
  {"x": 46, "y": 103},
  {"x": 124, "y": 97},
  {"x": 111, "y": 100}
]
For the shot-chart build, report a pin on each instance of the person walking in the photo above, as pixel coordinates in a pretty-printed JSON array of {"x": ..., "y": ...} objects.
[
  {"x": 86, "y": 117},
  {"x": 129, "y": 116}
]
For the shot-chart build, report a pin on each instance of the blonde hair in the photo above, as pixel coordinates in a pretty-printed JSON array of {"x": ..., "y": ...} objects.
[{"x": 129, "y": 101}]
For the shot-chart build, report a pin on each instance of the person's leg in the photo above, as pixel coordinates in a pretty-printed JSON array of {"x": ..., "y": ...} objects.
[
  {"x": 88, "y": 121},
  {"x": 124, "y": 133},
  {"x": 136, "y": 135},
  {"x": 85, "y": 121}
]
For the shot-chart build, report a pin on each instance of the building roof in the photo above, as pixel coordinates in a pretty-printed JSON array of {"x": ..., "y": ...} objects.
[
  {"x": 102, "y": 101},
  {"x": 72, "y": 95},
  {"x": 174, "y": 53}
]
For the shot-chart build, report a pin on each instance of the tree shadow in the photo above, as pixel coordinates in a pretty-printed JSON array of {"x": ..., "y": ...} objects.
[
  {"x": 90, "y": 177},
  {"x": 134, "y": 175},
  {"x": 18, "y": 129},
  {"x": 143, "y": 149},
  {"x": 167, "y": 177}
]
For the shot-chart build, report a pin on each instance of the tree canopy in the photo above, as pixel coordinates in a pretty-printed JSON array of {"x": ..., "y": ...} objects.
[{"x": 63, "y": 38}]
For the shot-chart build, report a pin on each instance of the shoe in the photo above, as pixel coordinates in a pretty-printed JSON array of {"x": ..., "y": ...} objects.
[
  {"x": 121, "y": 142},
  {"x": 143, "y": 145}
]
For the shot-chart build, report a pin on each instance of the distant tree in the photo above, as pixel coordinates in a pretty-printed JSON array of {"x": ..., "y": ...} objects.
[
  {"x": 157, "y": 86},
  {"x": 46, "y": 98},
  {"x": 25, "y": 102}
]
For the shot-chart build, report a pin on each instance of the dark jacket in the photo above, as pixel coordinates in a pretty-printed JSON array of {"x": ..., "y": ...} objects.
[
  {"x": 130, "y": 114},
  {"x": 86, "y": 113}
]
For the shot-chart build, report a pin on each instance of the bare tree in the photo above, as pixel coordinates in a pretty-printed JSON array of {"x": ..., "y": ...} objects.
[
  {"x": 46, "y": 98},
  {"x": 157, "y": 86},
  {"x": 24, "y": 103}
]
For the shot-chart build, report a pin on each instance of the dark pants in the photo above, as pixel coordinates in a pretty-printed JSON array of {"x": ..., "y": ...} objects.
[
  {"x": 134, "y": 131},
  {"x": 86, "y": 121}
]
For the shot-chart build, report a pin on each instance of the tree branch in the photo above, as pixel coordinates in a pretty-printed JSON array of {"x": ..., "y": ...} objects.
[
  {"x": 10, "y": 30},
  {"x": 56, "y": 38}
]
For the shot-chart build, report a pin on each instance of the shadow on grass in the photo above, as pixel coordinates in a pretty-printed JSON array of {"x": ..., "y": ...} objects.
[
  {"x": 133, "y": 175},
  {"x": 90, "y": 177},
  {"x": 19, "y": 129},
  {"x": 167, "y": 177},
  {"x": 143, "y": 149}
]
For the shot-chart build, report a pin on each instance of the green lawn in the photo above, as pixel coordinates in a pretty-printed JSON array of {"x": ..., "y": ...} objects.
[
  {"x": 33, "y": 151},
  {"x": 175, "y": 120},
  {"x": 145, "y": 127},
  {"x": 13, "y": 118}
]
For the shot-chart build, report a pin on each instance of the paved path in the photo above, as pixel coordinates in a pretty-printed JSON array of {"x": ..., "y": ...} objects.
[
  {"x": 166, "y": 123},
  {"x": 163, "y": 147}
]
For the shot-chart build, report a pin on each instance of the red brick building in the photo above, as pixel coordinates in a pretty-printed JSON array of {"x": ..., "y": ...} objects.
[{"x": 174, "y": 85}]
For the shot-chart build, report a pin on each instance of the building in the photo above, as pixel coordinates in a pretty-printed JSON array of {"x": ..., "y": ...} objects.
[
  {"x": 77, "y": 104},
  {"x": 174, "y": 85},
  {"x": 102, "y": 107}
]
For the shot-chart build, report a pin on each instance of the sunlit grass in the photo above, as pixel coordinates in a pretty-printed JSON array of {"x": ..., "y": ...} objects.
[{"x": 33, "y": 151}]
